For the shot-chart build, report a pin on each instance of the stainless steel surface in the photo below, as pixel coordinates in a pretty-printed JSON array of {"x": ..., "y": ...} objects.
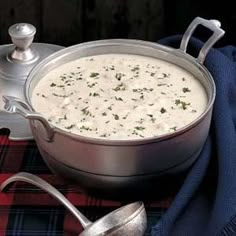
[
  {"x": 127, "y": 220},
  {"x": 213, "y": 25},
  {"x": 22, "y": 36},
  {"x": 17, "y": 60},
  {"x": 15, "y": 105},
  {"x": 124, "y": 158}
]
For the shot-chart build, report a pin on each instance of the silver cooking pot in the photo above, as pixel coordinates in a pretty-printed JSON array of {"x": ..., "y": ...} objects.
[{"x": 120, "y": 164}]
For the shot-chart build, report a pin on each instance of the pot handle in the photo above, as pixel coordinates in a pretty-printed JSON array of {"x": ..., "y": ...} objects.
[
  {"x": 16, "y": 105},
  {"x": 213, "y": 25}
]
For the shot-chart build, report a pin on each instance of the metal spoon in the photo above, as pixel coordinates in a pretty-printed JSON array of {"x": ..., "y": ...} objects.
[{"x": 127, "y": 220}]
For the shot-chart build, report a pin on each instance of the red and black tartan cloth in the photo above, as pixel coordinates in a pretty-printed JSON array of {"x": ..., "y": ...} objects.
[{"x": 28, "y": 211}]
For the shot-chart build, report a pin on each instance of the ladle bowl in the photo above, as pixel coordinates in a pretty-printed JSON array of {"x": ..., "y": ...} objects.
[{"x": 129, "y": 220}]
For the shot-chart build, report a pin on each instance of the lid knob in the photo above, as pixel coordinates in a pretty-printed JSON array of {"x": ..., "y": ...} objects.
[{"x": 22, "y": 36}]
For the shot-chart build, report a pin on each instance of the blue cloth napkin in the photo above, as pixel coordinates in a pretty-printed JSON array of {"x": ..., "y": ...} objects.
[{"x": 206, "y": 202}]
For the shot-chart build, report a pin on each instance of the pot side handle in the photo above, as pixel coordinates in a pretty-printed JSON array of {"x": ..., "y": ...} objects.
[
  {"x": 16, "y": 105},
  {"x": 213, "y": 25}
]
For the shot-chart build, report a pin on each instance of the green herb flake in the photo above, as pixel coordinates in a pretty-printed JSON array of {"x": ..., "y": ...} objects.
[
  {"x": 118, "y": 99},
  {"x": 91, "y": 85},
  {"x": 53, "y": 85},
  {"x": 94, "y": 94},
  {"x": 104, "y": 114},
  {"x": 182, "y": 103},
  {"x": 120, "y": 87},
  {"x": 163, "y": 110},
  {"x": 186, "y": 90},
  {"x": 85, "y": 111},
  {"x": 118, "y": 76},
  {"x": 165, "y": 75},
  {"x": 85, "y": 128},
  {"x": 59, "y": 95},
  {"x": 153, "y": 120},
  {"x": 94, "y": 75},
  {"x": 70, "y": 126},
  {"x": 161, "y": 85},
  {"x": 173, "y": 128},
  {"x": 140, "y": 128},
  {"x": 136, "y": 68},
  {"x": 116, "y": 117}
]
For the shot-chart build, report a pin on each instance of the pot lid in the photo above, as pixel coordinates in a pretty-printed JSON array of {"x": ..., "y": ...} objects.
[
  {"x": 16, "y": 61},
  {"x": 19, "y": 58}
]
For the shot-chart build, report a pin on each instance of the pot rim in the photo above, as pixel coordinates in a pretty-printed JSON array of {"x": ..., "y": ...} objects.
[{"x": 103, "y": 141}]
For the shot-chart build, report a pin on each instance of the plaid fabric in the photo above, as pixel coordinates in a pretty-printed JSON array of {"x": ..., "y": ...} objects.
[{"x": 26, "y": 210}]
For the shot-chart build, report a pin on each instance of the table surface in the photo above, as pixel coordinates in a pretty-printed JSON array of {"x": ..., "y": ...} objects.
[{"x": 26, "y": 210}]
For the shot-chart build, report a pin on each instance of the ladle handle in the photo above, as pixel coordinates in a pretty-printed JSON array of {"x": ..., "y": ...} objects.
[
  {"x": 16, "y": 105},
  {"x": 213, "y": 25},
  {"x": 42, "y": 184}
]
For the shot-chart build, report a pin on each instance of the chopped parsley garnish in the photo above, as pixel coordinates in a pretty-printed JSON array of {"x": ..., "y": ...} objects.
[
  {"x": 53, "y": 85},
  {"x": 165, "y": 75},
  {"x": 163, "y": 110},
  {"x": 91, "y": 85},
  {"x": 139, "y": 128},
  {"x": 94, "y": 74},
  {"x": 70, "y": 126},
  {"x": 85, "y": 111},
  {"x": 85, "y": 128},
  {"x": 136, "y": 68},
  {"x": 116, "y": 116},
  {"x": 61, "y": 96},
  {"x": 182, "y": 103},
  {"x": 119, "y": 87},
  {"x": 186, "y": 90},
  {"x": 118, "y": 99},
  {"x": 118, "y": 76},
  {"x": 173, "y": 128},
  {"x": 161, "y": 85},
  {"x": 94, "y": 94}
]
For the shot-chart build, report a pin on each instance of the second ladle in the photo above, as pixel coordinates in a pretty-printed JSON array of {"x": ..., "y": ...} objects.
[{"x": 127, "y": 220}]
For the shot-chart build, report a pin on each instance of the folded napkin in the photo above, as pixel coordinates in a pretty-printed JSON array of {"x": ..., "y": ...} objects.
[{"x": 206, "y": 202}]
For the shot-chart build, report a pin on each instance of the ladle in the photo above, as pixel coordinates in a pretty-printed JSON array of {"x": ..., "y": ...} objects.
[{"x": 127, "y": 220}]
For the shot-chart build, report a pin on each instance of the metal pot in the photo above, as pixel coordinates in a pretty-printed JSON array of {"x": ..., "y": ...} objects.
[{"x": 124, "y": 164}]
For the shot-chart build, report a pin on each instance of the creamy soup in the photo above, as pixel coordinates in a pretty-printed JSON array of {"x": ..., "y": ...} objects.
[{"x": 119, "y": 96}]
